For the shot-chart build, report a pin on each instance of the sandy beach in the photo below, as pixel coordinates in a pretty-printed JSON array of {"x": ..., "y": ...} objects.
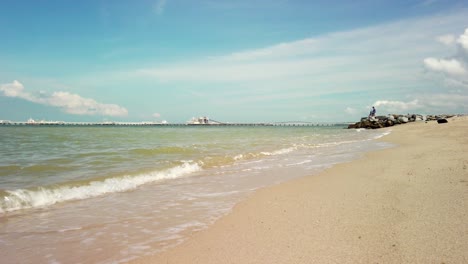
[{"x": 406, "y": 204}]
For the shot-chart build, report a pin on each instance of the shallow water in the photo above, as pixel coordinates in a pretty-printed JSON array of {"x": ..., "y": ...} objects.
[{"x": 112, "y": 194}]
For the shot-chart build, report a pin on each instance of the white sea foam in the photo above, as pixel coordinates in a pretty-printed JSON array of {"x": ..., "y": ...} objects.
[
  {"x": 24, "y": 199},
  {"x": 338, "y": 143},
  {"x": 265, "y": 153},
  {"x": 387, "y": 132},
  {"x": 299, "y": 163},
  {"x": 239, "y": 157},
  {"x": 279, "y": 152}
]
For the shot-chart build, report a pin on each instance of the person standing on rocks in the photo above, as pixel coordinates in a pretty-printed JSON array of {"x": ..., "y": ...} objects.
[{"x": 372, "y": 113}]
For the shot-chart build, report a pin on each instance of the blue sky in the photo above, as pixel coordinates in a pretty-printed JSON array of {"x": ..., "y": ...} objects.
[{"x": 234, "y": 61}]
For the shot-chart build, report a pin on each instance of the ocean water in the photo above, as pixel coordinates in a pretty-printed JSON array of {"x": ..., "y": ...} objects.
[{"x": 113, "y": 194}]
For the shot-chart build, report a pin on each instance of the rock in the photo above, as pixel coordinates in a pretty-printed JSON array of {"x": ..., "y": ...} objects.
[
  {"x": 403, "y": 119},
  {"x": 393, "y": 119},
  {"x": 442, "y": 121},
  {"x": 366, "y": 124},
  {"x": 376, "y": 125}
]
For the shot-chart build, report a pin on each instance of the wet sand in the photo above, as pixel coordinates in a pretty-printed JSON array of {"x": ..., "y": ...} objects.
[{"x": 407, "y": 204}]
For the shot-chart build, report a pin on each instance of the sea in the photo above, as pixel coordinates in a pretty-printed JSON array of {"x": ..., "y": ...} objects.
[{"x": 112, "y": 194}]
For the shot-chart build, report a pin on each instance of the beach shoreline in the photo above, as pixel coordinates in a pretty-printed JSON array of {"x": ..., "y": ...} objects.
[{"x": 405, "y": 204}]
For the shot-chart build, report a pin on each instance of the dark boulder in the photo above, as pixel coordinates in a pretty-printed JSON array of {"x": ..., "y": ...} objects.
[
  {"x": 366, "y": 124},
  {"x": 442, "y": 121},
  {"x": 375, "y": 125},
  {"x": 351, "y": 126}
]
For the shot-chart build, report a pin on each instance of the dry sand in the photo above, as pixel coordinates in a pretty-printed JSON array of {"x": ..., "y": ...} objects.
[{"x": 407, "y": 204}]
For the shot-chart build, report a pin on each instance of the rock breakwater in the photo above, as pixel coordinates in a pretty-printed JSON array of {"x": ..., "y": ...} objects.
[{"x": 394, "y": 119}]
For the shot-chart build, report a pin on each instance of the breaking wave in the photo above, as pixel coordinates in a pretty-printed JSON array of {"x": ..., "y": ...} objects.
[{"x": 13, "y": 200}]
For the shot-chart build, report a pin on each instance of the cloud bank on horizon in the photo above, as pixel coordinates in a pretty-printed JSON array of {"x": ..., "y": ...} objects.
[
  {"x": 68, "y": 102},
  {"x": 404, "y": 64}
]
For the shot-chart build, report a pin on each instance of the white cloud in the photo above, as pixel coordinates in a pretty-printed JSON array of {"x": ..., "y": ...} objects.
[
  {"x": 451, "y": 66},
  {"x": 463, "y": 40},
  {"x": 15, "y": 89},
  {"x": 156, "y": 115},
  {"x": 397, "y": 106},
  {"x": 436, "y": 103},
  {"x": 68, "y": 102},
  {"x": 288, "y": 49},
  {"x": 234, "y": 72},
  {"x": 448, "y": 39},
  {"x": 454, "y": 67}
]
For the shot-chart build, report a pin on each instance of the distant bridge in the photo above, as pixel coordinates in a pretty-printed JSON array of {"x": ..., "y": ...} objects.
[
  {"x": 211, "y": 123},
  {"x": 284, "y": 123}
]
